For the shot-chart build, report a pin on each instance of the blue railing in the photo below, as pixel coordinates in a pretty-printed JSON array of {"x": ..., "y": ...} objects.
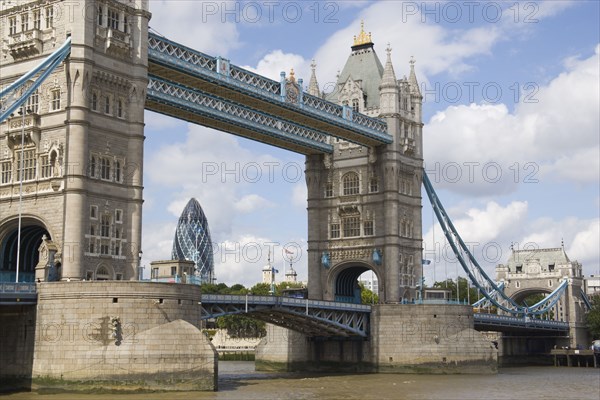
[
  {"x": 11, "y": 276},
  {"x": 168, "y": 54},
  {"x": 524, "y": 322},
  {"x": 18, "y": 288},
  {"x": 282, "y": 301}
]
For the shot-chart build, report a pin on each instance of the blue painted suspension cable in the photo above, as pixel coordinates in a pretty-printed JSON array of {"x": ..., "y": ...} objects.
[
  {"x": 48, "y": 66},
  {"x": 452, "y": 235}
]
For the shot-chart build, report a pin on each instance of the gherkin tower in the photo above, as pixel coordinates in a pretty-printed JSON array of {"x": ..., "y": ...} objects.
[{"x": 192, "y": 241}]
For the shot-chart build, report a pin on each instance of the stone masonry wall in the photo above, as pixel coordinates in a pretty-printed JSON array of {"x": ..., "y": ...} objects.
[
  {"x": 429, "y": 338},
  {"x": 17, "y": 329},
  {"x": 107, "y": 333},
  {"x": 403, "y": 339}
]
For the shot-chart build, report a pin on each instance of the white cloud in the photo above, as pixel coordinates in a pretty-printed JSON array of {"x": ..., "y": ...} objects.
[
  {"x": 299, "y": 195},
  {"x": 212, "y": 167},
  {"x": 556, "y": 136},
  {"x": 585, "y": 246},
  {"x": 276, "y": 61},
  {"x": 491, "y": 230},
  {"x": 436, "y": 50},
  {"x": 250, "y": 203},
  {"x": 544, "y": 9},
  {"x": 157, "y": 243},
  {"x": 197, "y": 24},
  {"x": 241, "y": 259}
]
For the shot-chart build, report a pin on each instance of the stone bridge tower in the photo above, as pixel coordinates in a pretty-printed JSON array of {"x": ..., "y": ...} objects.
[
  {"x": 364, "y": 204},
  {"x": 83, "y": 138},
  {"x": 536, "y": 271}
]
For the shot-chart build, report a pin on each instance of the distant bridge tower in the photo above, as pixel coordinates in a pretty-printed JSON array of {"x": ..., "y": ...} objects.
[
  {"x": 83, "y": 140},
  {"x": 364, "y": 204},
  {"x": 530, "y": 272}
]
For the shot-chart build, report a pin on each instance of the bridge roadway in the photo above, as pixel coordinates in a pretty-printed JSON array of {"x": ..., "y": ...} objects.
[
  {"x": 187, "y": 84},
  {"x": 312, "y": 317}
]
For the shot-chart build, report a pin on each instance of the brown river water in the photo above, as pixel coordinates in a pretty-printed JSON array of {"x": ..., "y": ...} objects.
[{"x": 238, "y": 380}]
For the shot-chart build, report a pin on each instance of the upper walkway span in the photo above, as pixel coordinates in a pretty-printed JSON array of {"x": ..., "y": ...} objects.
[{"x": 189, "y": 85}]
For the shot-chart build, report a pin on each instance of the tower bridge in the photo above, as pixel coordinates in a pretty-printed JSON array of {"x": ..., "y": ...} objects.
[{"x": 71, "y": 207}]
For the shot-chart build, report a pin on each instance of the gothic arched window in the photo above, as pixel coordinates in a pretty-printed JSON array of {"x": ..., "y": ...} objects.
[{"x": 351, "y": 184}]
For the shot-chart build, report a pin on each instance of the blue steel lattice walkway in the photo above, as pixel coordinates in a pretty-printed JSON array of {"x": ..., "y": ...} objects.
[
  {"x": 311, "y": 317},
  {"x": 179, "y": 73}
]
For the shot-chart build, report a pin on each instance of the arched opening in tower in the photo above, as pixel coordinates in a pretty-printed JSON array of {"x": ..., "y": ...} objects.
[
  {"x": 31, "y": 239},
  {"x": 347, "y": 287}
]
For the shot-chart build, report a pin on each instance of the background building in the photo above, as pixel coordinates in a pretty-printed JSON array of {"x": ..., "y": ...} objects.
[
  {"x": 592, "y": 285},
  {"x": 192, "y": 241}
]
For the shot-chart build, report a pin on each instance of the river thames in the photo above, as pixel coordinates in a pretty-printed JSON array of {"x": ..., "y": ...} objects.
[{"x": 238, "y": 380}]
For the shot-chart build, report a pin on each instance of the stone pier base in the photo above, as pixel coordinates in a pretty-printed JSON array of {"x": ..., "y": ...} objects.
[
  {"x": 403, "y": 339},
  {"x": 121, "y": 336}
]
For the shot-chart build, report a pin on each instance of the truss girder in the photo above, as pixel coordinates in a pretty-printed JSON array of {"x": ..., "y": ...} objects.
[
  {"x": 493, "y": 293},
  {"x": 311, "y": 317},
  {"x": 504, "y": 323},
  {"x": 484, "y": 302},
  {"x": 195, "y": 106},
  {"x": 215, "y": 75}
]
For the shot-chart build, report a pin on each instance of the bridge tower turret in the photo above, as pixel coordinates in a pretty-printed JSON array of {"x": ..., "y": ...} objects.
[
  {"x": 529, "y": 272},
  {"x": 364, "y": 204},
  {"x": 82, "y": 183}
]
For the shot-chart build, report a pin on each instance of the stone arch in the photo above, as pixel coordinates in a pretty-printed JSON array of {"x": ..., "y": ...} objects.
[
  {"x": 32, "y": 231},
  {"x": 104, "y": 273},
  {"x": 343, "y": 280},
  {"x": 519, "y": 295}
]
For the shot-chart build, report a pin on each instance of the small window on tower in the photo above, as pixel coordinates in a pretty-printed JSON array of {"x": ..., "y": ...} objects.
[
  {"x": 368, "y": 228},
  {"x": 373, "y": 185},
  {"x": 329, "y": 189},
  {"x": 335, "y": 231}
]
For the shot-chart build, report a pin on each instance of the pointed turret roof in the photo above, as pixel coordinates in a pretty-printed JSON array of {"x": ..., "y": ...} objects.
[
  {"x": 313, "y": 85},
  {"x": 412, "y": 79},
  {"x": 389, "y": 76}
]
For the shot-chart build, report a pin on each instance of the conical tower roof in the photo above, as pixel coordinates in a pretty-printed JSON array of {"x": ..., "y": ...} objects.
[
  {"x": 313, "y": 85},
  {"x": 388, "y": 79},
  {"x": 363, "y": 65},
  {"x": 412, "y": 79}
]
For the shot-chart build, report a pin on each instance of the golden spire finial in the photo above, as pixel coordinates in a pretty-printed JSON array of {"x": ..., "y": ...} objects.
[
  {"x": 363, "y": 37},
  {"x": 292, "y": 77}
]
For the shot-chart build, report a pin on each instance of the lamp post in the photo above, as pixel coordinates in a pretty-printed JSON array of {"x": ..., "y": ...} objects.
[
  {"x": 21, "y": 168},
  {"x": 140, "y": 268}
]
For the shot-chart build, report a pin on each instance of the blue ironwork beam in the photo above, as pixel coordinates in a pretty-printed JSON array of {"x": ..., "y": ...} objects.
[
  {"x": 311, "y": 317},
  {"x": 503, "y": 323},
  {"x": 175, "y": 62},
  {"x": 194, "y": 106},
  {"x": 13, "y": 96},
  {"x": 476, "y": 273},
  {"x": 16, "y": 294}
]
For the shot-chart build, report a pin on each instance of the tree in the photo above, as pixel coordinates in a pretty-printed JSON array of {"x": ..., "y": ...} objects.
[
  {"x": 534, "y": 299},
  {"x": 450, "y": 284},
  {"x": 593, "y": 317},
  {"x": 240, "y": 326},
  {"x": 260, "y": 289},
  {"x": 367, "y": 296}
]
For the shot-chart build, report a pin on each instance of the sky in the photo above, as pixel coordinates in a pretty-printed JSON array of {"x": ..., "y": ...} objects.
[{"x": 511, "y": 135}]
